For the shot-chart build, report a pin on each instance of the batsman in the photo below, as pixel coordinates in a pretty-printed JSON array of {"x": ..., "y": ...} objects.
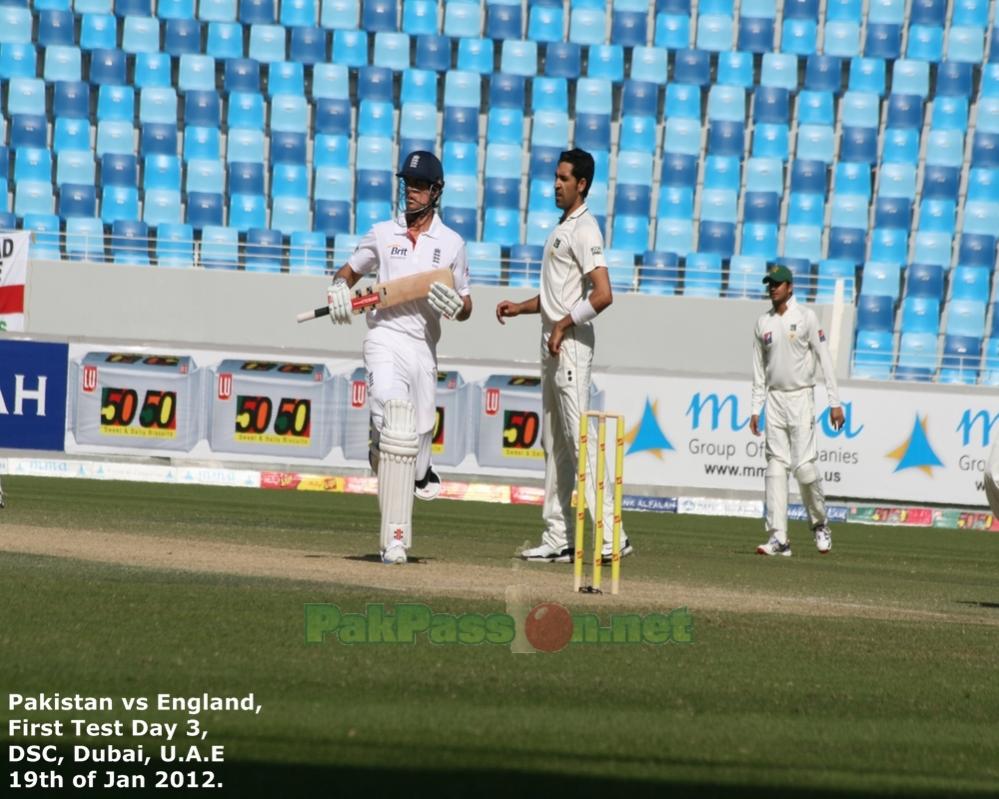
[{"x": 400, "y": 348}]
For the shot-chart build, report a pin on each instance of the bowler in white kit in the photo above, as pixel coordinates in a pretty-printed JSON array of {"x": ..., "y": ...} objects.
[
  {"x": 400, "y": 348},
  {"x": 787, "y": 344},
  {"x": 575, "y": 287}
]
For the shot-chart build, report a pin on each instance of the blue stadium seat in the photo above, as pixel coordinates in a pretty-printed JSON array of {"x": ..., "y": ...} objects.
[
  {"x": 203, "y": 209},
  {"x": 418, "y": 86},
  {"x": 245, "y": 145},
  {"x": 672, "y": 31},
  {"x": 970, "y": 283},
  {"x": 115, "y": 136},
  {"x": 161, "y": 172},
  {"x": 805, "y": 209},
  {"x": 682, "y": 100},
  {"x": 881, "y": 279},
  {"x": 461, "y": 157},
  {"x": 174, "y": 245},
  {"x": 17, "y": 59},
  {"x": 799, "y": 36},
  {"x": 55, "y": 27},
  {"x": 180, "y": 37},
  {"x": 726, "y": 138},
  {"x": 137, "y": 8},
  {"x": 872, "y": 355},
  {"x": 848, "y": 210},
  {"x": 875, "y": 312},
  {"x": 299, "y": 13},
  {"x": 372, "y": 185},
  {"x": 264, "y": 249},
  {"x": 462, "y": 191},
  {"x": 977, "y": 249},
  {"x": 637, "y": 133},
  {"x": 562, "y": 59},
  {"x": 815, "y": 143},
  {"x": 506, "y": 125},
  {"x": 350, "y": 48},
  {"x": 247, "y": 212},
  {"x": 524, "y": 266},
  {"x": 983, "y": 184},
  {"x": 966, "y": 318},
  {"x": 62, "y": 63},
  {"x": 158, "y": 105},
  {"x": 462, "y": 88},
  {"x": 72, "y": 166},
  {"x": 867, "y": 76},
  {"x": 682, "y": 136},
  {"x": 544, "y": 23},
  {"x": 761, "y": 207},
  {"x": 340, "y": 14},
  {"x": 288, "y": 148},
  {"x": 735, "y": 68},
  {"x": 85, "y": 239},
  {"x": 714, "y": 32},
  {"x": 960, "y": 360},
  {"x": 586, "y": 25},
  {"x": 205, "y": 176},
  {"x": 119, "y": 203},
  {"x": 966, "y": 43},
  {"x": 219, "y": 247},
  {"x": 291, "y": 214},
  {"x": 332, "y": 217},
  {"x": 649, "y": 64},
  {"x": 920, "y": 315},
  {"x": 129, "y": 242},
  {"x": 744, "y": 276},
  {"x": 829, "y": 272},
  {"x": 859, "y": 144},
  {"x": 842, "y": 38},
  {"x": 702, "y": 275},
  {"x": 503, "y": 21},
  {"x": 716, "y": 237},
  {"x": 333, "y": 183},
  {"x": 485, "y": 262},
  {"x": 225, "y": 40},
  {"x": 926, "y": 43},
  {"x": 77, "y": 200},
  {"x": 379, "y": 15},
  {"x": 721, "y": 172},
  {"x": 151, "y": 69},
  {"x": 674, "y": 235},
  {"x": 759, "y": 240},
  {"x": 519, "y": 57},
  {"x": 550, "y": 94},
  {"x": 932, "y": 247},
  {"x": 756, "y": 34},
  {"x": 474, "y": 55},
  {"x": 463, "y": 221},
  {"x": 942, "y": 181},
  {"x": 954, "y": 79},
  {"x": 605, "y": 61},
  {"x": 433, "y": 53},
  {"x": 848, "y": 244},
  {"x": 823, "y": 73},
  {"x": 678, "y": 170},
  {"x": 629, "y": 28},
  {"x": 658, "y": 273},
  {"x": 119, "y": 170},
  {"x": 883, "y": 40},
  {"x": 252, "y": 12},
  {"x": 889, "y": 245},
  {"x": 201, "y": 142},
  {"x": 809, "y": 176},
  {"x": 901, "y": 146},
  {"x": 100, "y": 32},
  {"x": 196, "y": 73},
  {"x": 307, "y": 254},
  {"x": 937, "y": 215},
  {"x": 242, "y": 75},
  {"x": 803, "y": 241}
]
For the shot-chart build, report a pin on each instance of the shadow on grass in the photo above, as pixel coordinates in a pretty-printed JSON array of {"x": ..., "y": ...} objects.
[{"x": 974, "y": 604}]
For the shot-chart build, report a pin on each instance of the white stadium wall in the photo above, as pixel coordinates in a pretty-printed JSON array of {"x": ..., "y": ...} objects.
[{"x": 677, "y": 368}]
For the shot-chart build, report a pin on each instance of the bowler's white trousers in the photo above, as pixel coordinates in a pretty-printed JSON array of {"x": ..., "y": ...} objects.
[
  {"x": 400, "y": 367},
  {"x": 565, "y": 381},
  {"x": 791, "y": 449}
]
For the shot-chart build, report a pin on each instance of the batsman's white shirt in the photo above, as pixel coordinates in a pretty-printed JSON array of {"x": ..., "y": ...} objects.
[
  {"x": 786, "y": 349},
  {"x": 400, "y": 350},
  {"x": 388, "y": 249},
  {"x": 574, "y": 249}
]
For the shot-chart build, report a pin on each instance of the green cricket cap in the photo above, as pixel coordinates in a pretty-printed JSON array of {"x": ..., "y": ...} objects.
[{"x": 778, "y": 274}]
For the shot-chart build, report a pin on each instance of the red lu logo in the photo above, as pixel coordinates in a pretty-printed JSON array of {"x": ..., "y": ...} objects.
[
  {"x": 492, "y": 401},
  {"x": 89, "y": 378},
  {"x": 225, "y": 386},
  {"x": 358, "y": 394}
]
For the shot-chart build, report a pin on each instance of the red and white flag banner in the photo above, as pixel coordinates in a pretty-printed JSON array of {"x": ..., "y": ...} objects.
[{"x": 13, "y": 276}]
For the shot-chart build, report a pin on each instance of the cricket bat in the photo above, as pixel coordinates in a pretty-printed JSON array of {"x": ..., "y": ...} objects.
[{"x": 392, "y": 292}]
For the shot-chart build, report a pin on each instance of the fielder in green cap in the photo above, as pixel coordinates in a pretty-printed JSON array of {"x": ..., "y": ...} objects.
[{"x": 787, "y": 343}]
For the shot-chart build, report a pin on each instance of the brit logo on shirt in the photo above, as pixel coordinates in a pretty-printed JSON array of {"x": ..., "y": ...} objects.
[
  {"x": 768, "y": 338},
  {"x": 398, "y": 252},
  {"x": 437, "y": 255}
]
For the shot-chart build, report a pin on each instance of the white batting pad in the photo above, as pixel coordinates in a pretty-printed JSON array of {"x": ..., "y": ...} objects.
[{"x": 398, "y": 445}]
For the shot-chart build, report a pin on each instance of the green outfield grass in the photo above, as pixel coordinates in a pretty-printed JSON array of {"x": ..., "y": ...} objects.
[{"x": 761, "y": 704}]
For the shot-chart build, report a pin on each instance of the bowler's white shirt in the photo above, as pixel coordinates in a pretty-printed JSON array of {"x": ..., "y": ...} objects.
[
  {"x": 573, "y": 250},
  {"x": 785, "y": 352},
  {"x": 388, "y": 251}
]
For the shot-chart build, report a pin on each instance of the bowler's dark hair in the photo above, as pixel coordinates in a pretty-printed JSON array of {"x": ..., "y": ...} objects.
[{"x": 582, "y": 166}]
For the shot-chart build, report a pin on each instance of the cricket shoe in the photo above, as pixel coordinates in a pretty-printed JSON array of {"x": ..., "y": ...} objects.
[
  {"x": 774, "y": 547},
  {"x": 544, "y": 553},
  {"x": 394, "y": 555},
  {"x": 608, "y": 556},
  {"x": 429, "y": 487},
  {"x": 823, "y": 538}
]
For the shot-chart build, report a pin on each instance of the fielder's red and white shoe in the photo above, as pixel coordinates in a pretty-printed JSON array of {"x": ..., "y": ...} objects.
[
  {"x": 823, "y": 538},
  {"x": 775, "y": 547}
]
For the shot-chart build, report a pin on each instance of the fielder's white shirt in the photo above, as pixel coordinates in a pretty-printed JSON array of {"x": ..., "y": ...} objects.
[
  {"x": 388, "y": 250},
  {"x": 785, "y": 352},
  {"x": 573, "y": 250}
]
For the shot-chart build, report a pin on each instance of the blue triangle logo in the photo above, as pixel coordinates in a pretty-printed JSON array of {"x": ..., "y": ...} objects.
[
  {"x": 648, "y": 435},
  {"x": 917, "y": 452}
]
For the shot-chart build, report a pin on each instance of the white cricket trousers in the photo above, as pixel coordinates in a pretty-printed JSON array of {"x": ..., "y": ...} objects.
[
  {"x": 565, "y": 395},
  {"x": 791, "y": 449},
  {"x": 399, "y": 367}
]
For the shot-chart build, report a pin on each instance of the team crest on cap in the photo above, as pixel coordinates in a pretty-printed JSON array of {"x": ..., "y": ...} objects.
[{"x": 414, "y": 160}]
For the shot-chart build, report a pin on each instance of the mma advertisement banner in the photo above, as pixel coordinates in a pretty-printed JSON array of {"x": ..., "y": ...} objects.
[
  {"x": 13, "y": 276},
  {"x": 897, "y": 443}
]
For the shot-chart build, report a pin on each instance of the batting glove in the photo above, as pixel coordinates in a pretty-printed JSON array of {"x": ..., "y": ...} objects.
[
  {"x": 445, "y": 300},
  {"x": 338, "y": 300}
]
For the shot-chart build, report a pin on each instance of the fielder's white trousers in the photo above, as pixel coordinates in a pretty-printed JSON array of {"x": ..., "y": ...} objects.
[
  {"x": 565, "y": 396},
  {"x": 791, "y": 449},
  {"x": 399, "y": 367}
]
